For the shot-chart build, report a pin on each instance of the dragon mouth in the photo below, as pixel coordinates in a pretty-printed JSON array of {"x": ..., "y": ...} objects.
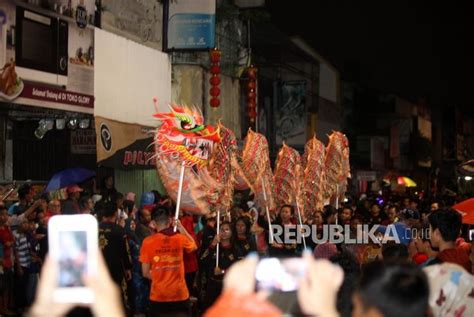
[{"x": 199, "y": 148}]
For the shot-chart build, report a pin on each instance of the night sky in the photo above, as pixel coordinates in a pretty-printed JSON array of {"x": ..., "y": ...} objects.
[{"x": 412, "y": 48}]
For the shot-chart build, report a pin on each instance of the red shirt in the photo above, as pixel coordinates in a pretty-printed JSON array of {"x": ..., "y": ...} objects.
[
  {"x": 458, "y": 256},
  {"x": 5, "y": 237},
  {"x": 190, "y": 259}
]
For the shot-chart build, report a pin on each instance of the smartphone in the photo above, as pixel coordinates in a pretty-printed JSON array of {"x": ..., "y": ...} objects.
[
  {"x": 280, "y": 274},
  {"x": 471, "y": 235},
  {"x": 73, "y": 245}
]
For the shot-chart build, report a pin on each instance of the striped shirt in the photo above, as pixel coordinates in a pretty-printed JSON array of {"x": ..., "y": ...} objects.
[{"x": 22, "y": 247}]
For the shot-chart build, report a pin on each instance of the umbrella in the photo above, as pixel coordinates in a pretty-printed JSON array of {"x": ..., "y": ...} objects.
[
  {"x": 68, "y": 177},
  {"x": 466, "y": 209},
  {"x": 405, "y": 181}
]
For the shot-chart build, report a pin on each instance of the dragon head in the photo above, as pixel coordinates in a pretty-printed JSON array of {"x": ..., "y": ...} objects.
[{"x": 184, "y": 134}]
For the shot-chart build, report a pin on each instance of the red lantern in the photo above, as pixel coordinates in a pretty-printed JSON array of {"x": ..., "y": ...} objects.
[
  {"x": 251, "y": 104},
  {"x": 215, "y": 80},
  {"x": 215, "y": 55},
  {"x": 214, "y": 91},
  {"x": 251, "y": 95},
  {"x": 214, "y": 102},
  {"x": 252, "y": 113},
  {"x": 252, "y": 84},
  {"x": 215, "y": 69},
  {"x": 252, "y": 72}
]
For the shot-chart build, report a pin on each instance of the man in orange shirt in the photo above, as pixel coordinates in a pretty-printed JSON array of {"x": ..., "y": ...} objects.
[{"x": 161, "y": 256}]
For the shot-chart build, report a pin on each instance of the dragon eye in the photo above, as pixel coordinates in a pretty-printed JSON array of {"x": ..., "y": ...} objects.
[{"x": 187, "y": 125}]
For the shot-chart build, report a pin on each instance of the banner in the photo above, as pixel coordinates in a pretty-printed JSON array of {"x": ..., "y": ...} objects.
[
  {"x": 191, "y": 24},
  {"x": 124, "y": 145}
]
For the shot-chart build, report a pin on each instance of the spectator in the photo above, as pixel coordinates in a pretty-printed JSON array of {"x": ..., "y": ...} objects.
[
  {"x": 394, "y": 253},
  {"x": 42, "y": 235},
  {"x": 445, "y": 227},
  {"x": 23, "y": 260},
  {"x": 86, "y": 205},
  {"x": 107, "y": 189},
  {"x": 71, "y": 204},
  {"x": 244, "y": 241},
  {"x": 54, "y": 208},
  {"x": 391, "y": 291},
  {"x": 377, "y": 216},
  {"x": 346, "y": 215},
  {"x": 25, "y": 196},
  {"x": 143, "y": 228},
  {"x": 392, "y": 213},
  {"x": 6, "y": 279},
  {"x": 113, "y": 243},
  {"x": 190, "y": 259},
  {"x": 227, "y": 256}
]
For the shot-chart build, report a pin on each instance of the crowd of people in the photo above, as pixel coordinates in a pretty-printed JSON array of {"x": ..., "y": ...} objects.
[{"x": 201, "y": 265}]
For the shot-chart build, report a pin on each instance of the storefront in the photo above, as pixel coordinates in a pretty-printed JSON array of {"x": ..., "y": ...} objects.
[{"x": 46, "y": 89}]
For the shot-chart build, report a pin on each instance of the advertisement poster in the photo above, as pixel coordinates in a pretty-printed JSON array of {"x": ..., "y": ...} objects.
[
  {"x": 31, "y": 75},
  {"x": 290, "y": 115},
  {"x": 191, "y": 24}
]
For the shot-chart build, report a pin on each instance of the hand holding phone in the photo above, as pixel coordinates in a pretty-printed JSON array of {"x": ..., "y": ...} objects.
[
  {"x": 73, "y": 246},
  {"x": 280, "y": 274},
  {"x": 96, "y": 281}
]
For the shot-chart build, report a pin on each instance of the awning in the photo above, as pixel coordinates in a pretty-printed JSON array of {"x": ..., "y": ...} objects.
[{"x": 124, "y": 145}]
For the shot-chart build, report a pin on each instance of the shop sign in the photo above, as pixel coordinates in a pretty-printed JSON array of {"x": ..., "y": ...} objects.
[
  {"x": 45, "y": 93},
  {"x": 83, "y": 141}
]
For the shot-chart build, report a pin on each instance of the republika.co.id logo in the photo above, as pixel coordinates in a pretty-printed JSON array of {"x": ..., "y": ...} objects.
[{"x": 105, "y": 137}]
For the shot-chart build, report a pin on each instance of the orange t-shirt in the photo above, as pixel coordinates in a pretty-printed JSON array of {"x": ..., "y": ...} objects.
[{"x": 164, "y": 252}]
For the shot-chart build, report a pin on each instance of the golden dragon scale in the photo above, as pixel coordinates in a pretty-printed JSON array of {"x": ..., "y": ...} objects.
[
  {"x": 313, "y": 176},
  {"x": 222, "y": 169},
  {"x": 337, "y": 168},
  {"x": 286, "y": 176},
  {"x": 256, "y": 170}
]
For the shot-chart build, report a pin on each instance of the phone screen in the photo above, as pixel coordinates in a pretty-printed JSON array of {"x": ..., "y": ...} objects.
[
  {"x": 280, "y": 274},
  {"x": 471, "y": 235},
  {"x": 72, "y": 258}
]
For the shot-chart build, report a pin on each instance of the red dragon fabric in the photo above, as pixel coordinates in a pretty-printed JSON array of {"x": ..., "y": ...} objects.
[{"x": 183, "y": 138}]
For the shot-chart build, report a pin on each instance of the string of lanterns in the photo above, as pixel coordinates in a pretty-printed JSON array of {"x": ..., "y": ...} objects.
[
  {"x": 215, "y": 91},
  {"x": 251, "y": 93}
]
